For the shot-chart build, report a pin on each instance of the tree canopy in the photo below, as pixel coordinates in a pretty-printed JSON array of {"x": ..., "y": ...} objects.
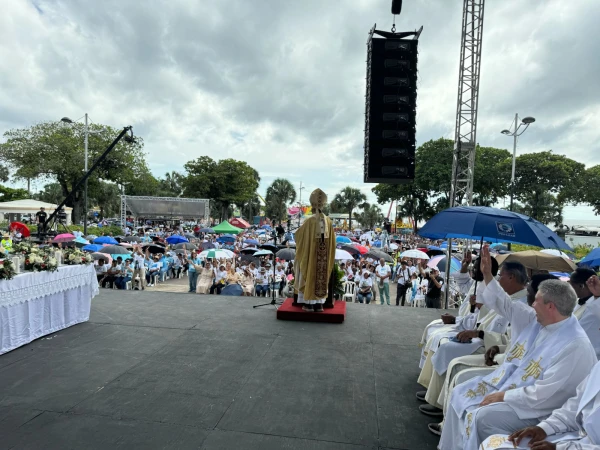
[
  {"x": 347, "y": 200},
  {"x": 279, "y": 194}
]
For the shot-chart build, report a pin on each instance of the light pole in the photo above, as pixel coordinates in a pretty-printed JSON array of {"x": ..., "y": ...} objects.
[
  {"x": 85, "y": 168},
  {"x": 515, "y": 134},
  {"x": 300, "y": 204}
]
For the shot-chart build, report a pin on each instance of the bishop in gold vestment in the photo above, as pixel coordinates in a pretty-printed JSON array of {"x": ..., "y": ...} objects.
[{"x": 315, "y": 255}]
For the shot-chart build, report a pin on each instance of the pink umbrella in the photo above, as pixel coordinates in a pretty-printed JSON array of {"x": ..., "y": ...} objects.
[
  {"x": 105, "y": 256},
  {"x": 65, "y": 237},
  {"x": 126, "y": 245}
]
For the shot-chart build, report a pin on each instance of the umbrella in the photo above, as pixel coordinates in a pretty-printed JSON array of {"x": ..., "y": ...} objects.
[
  {"x": 592, "y": 259},
  {"x": 233, "y": 289},
  {"x": 249, "y": 250},
  {"x": 207, "y": 230},
  {"x": 361, "y": 248},
  {"x": 266, "y": 227},
  {"x": 21, "y": 228},
  {"x": 260, "y": 231},
  {"x": 377, "y": 254},
  {"x": 272, "y": 248},
  {"x": 350, "y": 249},
  {"x": 440, "y": 263},
  {"x": 540, "y": 261},
  {"x": 132, "y": 239},
  {"x": 65, "y": 237},
  {"x": 91, "y": 237},
  {"x": 263, "y": 253},
  {"x": 81, "y": 240},
  {"x": 185, "y": 245},
  {"x": 287, "y": 254},
  {"x": 394, "y": 246},
  {"x": 153, "y": 248},
  {"x": 251, "y": 242},
  {"x": 105, "y": 240},
  {"x": 377, "y": 244},
  {"x": 189, "y": 236},
  {"x": 175, "y": 239},
  {"x": 207, "y": 245},
  {"x": 103, "y": 256},
  {"x": 92, "y": 248},
  {"x": 414, "y": 254},
  {"x": 562, "y": 276},
  {"x": 226, "y": 238},
  {"x": 249, "y": 258},
  {"x": 490, "y": 224},
  {"x": 215, "y": 253},
  {"x": 114, "y": 250},
  {"x": 343, "y": 240},
  {"x": 553, "y": 251},
  {"x": 125, "y": 245},
  {"x": 342, "y": 255}
]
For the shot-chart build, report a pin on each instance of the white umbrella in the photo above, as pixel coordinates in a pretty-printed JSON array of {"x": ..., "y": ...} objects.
[
  {"x": 263, "y": 253},
  {"x": 414, "y": 254},
  {"x": 555, "y": 252},
  {"x": 215, "y": 253},
  {"x": 394, "y": 246},
  {"x": 342, "y": 255}
]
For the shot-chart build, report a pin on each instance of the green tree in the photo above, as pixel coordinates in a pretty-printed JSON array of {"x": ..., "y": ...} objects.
[
  {"x": 279, "y": 194},
  {"x": 348, "y": 200},
  {"x": 53, "y": 151},
  {"x": 590, "y": 189},
  {"x": 543, "y": 173},
  {"x": 9, "y": 194},
  {"x": 370, "y": 216},
  {"x": 4, "y": 173},
  {"x": 225, "y": 182},
  {"x": 250, "y": 208},
  {"x": 52, "y": 193},
  {"x": 412, "y": 201},
  {"x": 544, "y": 207},
  {"x": 107, "y": 197},
  {"x": 171, "y": 184}
]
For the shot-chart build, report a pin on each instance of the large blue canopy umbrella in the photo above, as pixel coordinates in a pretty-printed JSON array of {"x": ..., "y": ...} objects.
[
  {"x": 176, "y": 239},
  {"x": 343, "y": 240},
  {"x": 92, "y": 247},
  {"x": 490, "y": 224},
  {"x": 251, "y": 242},
  {"x": 105, "y": 240},
  {"x": 592, "y": 259},
  {"x": 232, "y": 289}
]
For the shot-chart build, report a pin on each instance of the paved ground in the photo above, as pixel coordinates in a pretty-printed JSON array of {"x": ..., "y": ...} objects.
[{"x": 164, "y": 370}]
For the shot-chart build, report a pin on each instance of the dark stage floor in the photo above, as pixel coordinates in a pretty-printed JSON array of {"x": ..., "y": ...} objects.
[{"x": 163, "y": 370}]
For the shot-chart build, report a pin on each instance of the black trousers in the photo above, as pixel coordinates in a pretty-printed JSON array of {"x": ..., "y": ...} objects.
[
  {"x": 432, "y": 302},
  {"x": 216, "y": 287},
  {"x": 401, "y": 292}
]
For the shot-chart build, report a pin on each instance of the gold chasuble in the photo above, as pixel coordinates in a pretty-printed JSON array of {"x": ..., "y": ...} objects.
[{"x": 315, "y": 253}]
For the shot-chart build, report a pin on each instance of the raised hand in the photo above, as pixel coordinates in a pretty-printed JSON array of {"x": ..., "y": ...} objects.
[
  {"x": 486, "y": 264},
  {"x": 593, "y": 284}
]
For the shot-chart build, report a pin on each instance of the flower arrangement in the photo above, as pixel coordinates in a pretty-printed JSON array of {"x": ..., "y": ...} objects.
[
  {"x": 73, "y": 256},
  {"x": 7, "y": 270},
  {"x": 22, "y": 248},
  {"x": 38, "y": 261}
]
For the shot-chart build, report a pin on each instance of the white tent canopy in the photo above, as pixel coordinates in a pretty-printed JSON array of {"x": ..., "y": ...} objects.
[{"x": 30, "y": 206}]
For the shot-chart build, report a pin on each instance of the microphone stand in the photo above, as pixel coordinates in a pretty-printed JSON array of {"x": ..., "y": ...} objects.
[{"x": 273, "y": 301}]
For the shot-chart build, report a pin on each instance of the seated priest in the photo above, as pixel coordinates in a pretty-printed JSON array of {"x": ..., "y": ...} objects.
[
  {"x": 574, "y": 426},
  {"x": 488, "y": 331},
  {"x": 537, "y": 375},
  {"x": 469, "y": 285}
]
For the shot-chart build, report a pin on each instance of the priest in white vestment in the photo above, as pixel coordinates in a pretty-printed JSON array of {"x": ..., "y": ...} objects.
[
  {"x": 574, "y": 426},
  {"x": 490, "y": 330},
  {"x": 537, "y": 375}
]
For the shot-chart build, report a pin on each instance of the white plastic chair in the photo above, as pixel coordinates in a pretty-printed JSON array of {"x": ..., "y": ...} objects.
[{"x": 349, "y": 291}]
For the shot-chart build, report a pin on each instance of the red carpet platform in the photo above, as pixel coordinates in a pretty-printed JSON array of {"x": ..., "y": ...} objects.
[{"x": 287, "y": 311}]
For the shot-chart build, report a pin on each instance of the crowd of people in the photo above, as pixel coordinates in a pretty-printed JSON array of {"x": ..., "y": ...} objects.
[{"x": 518, "y": 364}]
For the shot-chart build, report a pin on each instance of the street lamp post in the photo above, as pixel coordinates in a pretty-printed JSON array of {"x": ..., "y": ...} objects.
[
  {"x": 85, "y": 168},
  {"x": 526, "y": 121},
  {"x": 300, "y": 204}
]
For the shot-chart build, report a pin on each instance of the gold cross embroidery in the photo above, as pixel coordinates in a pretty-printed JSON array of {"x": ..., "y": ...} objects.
[
  {"x": 495, "y": 442},
  {"x": 471, "y": 394},
  {"x": 517, "y": 352},
  {"x": 469, "y": 420},
  {"x": 497, "y": 379},
  {"x": 533, "y": 369},
  {"x": 481, "y": 389},
  {"x": 512, "y": 386}
]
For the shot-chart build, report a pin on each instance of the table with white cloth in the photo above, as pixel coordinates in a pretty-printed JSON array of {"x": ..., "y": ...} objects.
[{"x": 34, "y": 304}]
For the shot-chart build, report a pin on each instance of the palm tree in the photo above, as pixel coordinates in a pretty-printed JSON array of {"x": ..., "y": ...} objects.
[
  {"x": 279, "y": 194},
  {"x": 370, "y": 216},
  {"x": 349, "y": 199}
]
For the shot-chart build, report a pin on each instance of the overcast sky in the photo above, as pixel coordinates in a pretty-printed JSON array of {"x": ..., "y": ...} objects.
[{"x": 280, "y": 83}]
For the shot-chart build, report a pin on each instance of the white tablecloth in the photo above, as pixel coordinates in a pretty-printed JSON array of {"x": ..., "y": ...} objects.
[{"x": 35, "y": 304}]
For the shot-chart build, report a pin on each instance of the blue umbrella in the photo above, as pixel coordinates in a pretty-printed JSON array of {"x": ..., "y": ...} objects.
[
  {"x": 207, "y": 230},
  {"x": 105, "y": 240},
  {"x": 232, "y": 289},
  {"x": 92, "y": 247},
  {"x": 207, "y": 245},
  {"x": 343, "y": 240},
  {"x": 592, "y": 259},
  {"x": 490, "y": 224},
  {"x": 176, "y": 239},
  {"x": 377, "y": 244},
  {"x": 251, "y": 242},
  {"x": 226, "y": 238},
  {"x": 433, "y": 247},
  {"x": 266, "y": 227}
]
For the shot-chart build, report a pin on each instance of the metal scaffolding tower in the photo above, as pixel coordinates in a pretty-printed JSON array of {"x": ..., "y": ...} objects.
[
  {"x": 461, "y": 191},
  {"x": 463, "y": 161}
]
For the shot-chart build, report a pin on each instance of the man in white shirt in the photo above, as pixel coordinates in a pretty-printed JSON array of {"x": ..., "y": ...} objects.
[
  {"x": 262, "y": 282},
  {"x": 403, "y": 276},
  {"x": 383, "y": 273},
  {"x": 537, "y": 375},
  {"x": 365, "y": 287}
]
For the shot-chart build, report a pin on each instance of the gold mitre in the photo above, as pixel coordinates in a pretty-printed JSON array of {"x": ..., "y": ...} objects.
[{"x": 318, "y": 199}]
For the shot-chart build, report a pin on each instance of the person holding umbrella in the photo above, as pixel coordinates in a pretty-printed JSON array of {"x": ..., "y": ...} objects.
[{"x": 139, "y": 267}]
